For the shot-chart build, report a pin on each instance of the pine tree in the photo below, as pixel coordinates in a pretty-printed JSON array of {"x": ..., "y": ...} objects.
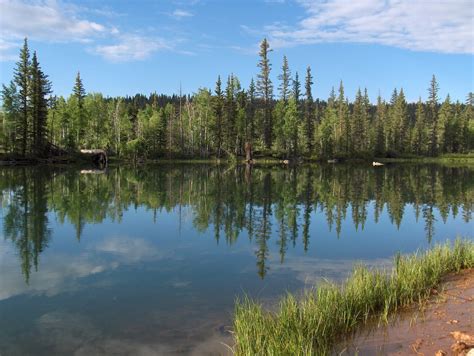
[
  {"x": 230, "y": 114},
  {"x": 342, "y": 130},
  {"x": 400, "y": 123},
  {"x": 358, "y": 129},
  {"x": 432, "y": 115},
  {"x": 419, "y": 137},
  {"x": 445, "y": 118},
  {"x": 218, "y": 111},
  {"x": 380, "y": 121},
  {"x": 22, "y": 79},
  {"x": 284, "y": 78},
  {"x": 309, "y": 111},
  {"x": 265, "y": 90},
  {"x": 79, "y": 94},
  {"x": 250, "y": 132},
  {"x": 40, "y": 88},
  {"x": 297, "y": 88}
]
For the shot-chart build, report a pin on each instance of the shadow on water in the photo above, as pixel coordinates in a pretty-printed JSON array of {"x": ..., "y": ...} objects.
[{"x": 229, "y": 200}]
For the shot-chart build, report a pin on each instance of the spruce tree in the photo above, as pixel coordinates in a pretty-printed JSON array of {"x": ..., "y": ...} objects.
[
  {"x": 419, "y": 136},
  {"x": 250, "y": 133},
  {"x": 79, "y": 94},
  {"x": 297, "y": 88},
  {"x": 265, "y": 90},
  {"x": 40, "y": 88},
  {"x": 358, "y": 125},
  {"x": 400, "y": 123},
  {"x": 22, "y": 79},
  {"x": 284, "y": 78},
  {"x": 445, "y": 118},
  {"x": 218, "y": 111},
  {"x": 432, "y": 115},
  {"x": 380, "y": 121},
  {"x": 342, "y": 129},
  {"x": 309, "y": 111}
]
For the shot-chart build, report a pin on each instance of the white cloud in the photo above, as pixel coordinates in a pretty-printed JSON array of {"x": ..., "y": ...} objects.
[
  {"x": 57, "y": 21},
  {"x": 131, "y": 48},
  {"x": 60, "y": 272},
  {"x": 178, "y": 13},
  {"x": 6, "y": 49},
  {"x": 431, "y": 25},
  {"x": 129, "y": 249},
  {"x": 45, "y": 20}
]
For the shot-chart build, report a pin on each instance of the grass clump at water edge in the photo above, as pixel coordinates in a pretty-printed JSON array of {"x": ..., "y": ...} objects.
[{"x": 312, "y": 324}]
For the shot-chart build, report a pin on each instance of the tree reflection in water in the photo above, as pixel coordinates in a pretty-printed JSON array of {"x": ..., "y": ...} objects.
[{"x": 260, "y": 200}]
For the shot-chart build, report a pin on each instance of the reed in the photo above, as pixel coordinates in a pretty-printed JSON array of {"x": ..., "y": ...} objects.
[{"x": 311, "y": 324}]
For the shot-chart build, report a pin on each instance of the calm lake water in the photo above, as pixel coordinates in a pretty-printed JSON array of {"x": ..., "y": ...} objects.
[{"x": 149, "y": 260}]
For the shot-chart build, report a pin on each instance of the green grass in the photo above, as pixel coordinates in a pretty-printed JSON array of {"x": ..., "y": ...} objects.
[{"x": 310, "y": 325}]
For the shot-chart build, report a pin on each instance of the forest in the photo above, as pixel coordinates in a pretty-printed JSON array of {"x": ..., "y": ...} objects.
[{"x": 220, "y": 122}]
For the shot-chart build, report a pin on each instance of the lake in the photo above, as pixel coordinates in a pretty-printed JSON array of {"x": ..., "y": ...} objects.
[{"x": 150, "y": 259}]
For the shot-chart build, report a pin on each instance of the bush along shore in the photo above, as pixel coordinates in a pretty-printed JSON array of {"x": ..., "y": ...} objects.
[{"x": 311, "y": 325}]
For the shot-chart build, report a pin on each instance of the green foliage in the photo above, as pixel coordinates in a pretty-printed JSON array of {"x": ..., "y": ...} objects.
[
  {"x": 311, "y": 325},
  {"x": 219, "y": 124}
]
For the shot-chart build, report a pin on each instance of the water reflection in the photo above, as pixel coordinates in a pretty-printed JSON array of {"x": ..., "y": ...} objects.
[{"x": 263, "y": 202}]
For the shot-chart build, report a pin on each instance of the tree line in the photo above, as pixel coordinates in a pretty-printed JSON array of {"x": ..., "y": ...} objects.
[
  {"x": 219, "y": 122},
  {"x": 270, "y": 206}
]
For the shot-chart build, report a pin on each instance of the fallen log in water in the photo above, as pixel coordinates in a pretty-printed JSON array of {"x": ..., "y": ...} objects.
[{"x": 98, "y": 156}]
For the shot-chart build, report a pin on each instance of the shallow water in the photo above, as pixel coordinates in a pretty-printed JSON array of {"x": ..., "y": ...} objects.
[{"x": 150, "y": 260}]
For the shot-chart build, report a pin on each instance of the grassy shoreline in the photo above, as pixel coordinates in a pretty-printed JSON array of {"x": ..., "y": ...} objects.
[{"x": 323, "y": 315}]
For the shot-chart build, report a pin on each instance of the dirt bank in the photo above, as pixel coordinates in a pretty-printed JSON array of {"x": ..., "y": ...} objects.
[{"x": 431, "y": 329}]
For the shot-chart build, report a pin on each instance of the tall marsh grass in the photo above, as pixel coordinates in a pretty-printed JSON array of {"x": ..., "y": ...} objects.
[{"x": 312, "y": 324}]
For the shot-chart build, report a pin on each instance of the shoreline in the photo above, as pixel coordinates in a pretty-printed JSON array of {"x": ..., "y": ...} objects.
[
  {"x": 264, "y": 160},
  {"x": 317, "y": 322},
  {"x": 429, "y": 328}
]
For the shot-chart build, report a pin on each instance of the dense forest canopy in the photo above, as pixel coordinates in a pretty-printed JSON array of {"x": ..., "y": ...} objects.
[{"x": 220, "y": 122}]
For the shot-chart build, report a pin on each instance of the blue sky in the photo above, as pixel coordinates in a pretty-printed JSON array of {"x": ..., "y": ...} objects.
[{"x": 123, "y": 47}]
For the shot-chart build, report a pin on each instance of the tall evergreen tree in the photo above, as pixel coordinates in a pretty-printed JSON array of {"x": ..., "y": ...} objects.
[
  {"x": 445, "y": 118},
  {"x": 432, "y": 114},
  {"x": 250, "y": 134},
  {"x": 342, "y": 129},
  {"x": 40, "y": 89},
  {"x": 358, "y": 124},
  {"x": 400, "y": 123},
  {"x": 79, "y": 94},
  {"x": 285, "y": 78},
  {"x": 230, "y": 114},
  {"x": 265, "y": 90},
  {"x": 218, "y": 111},
  {"x": 309, "y": 111},
  {"x": 380, "y": 121},
  {"x": 420, "y": 132},
  {"x": 22, "y": 79}
]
